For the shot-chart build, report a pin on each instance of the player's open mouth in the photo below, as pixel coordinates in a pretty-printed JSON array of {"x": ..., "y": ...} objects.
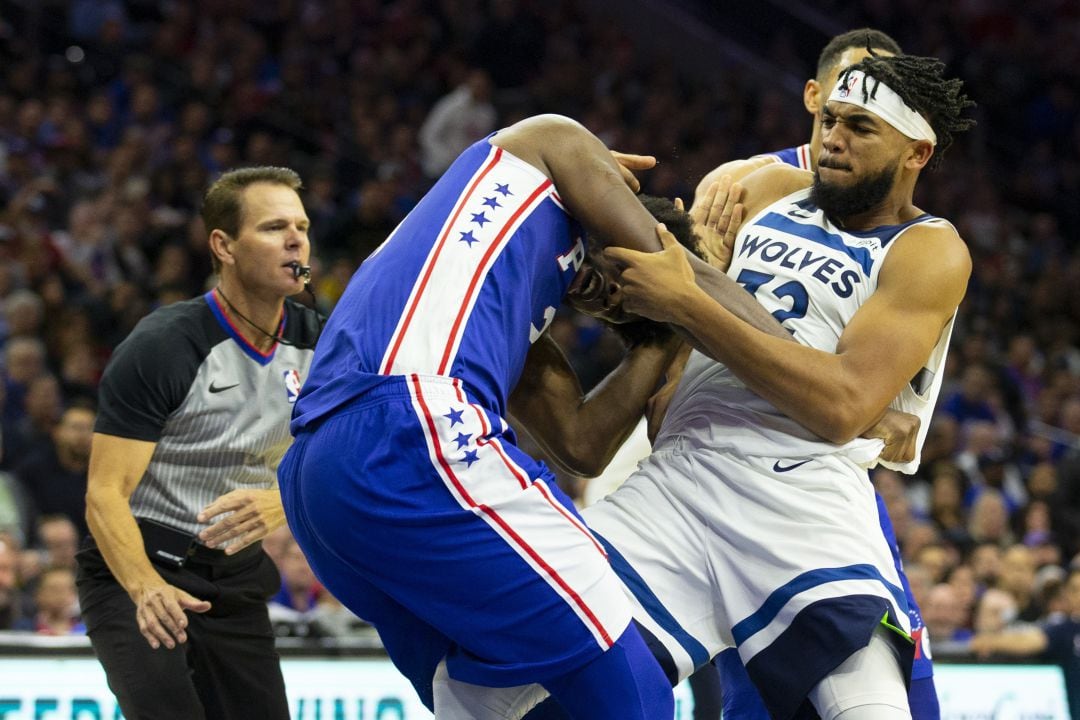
[{"x": 589, "y": 285}]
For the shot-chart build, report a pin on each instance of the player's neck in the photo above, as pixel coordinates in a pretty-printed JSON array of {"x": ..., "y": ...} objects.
[
  {"x": 889, "y": 212},
  {"x": 256, "y": 318}
]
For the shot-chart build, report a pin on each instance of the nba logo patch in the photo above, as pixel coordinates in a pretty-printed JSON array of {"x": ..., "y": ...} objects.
[
  {"x": 292, "y": 384},
  {"x": 849, "y": 85}
]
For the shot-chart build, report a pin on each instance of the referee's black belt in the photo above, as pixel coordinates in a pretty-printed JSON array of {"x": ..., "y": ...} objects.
[{"x": 173, "y": 548}]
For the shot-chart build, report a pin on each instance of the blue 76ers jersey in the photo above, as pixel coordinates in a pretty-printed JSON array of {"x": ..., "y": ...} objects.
[
  {"x": 798, "y": 156},
  {"x": 461, "y": 288}
]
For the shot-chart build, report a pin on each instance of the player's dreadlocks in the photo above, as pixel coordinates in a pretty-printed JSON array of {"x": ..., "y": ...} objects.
[
  {"x": 868, "y": 38},
  {"x": 919, "y": 83}
]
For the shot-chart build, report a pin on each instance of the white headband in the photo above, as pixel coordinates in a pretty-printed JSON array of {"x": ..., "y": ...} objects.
[{"x": 884, "y": 103}]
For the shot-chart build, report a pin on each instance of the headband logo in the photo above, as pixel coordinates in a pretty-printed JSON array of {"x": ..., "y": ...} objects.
[{"x": 848, "y": 86}]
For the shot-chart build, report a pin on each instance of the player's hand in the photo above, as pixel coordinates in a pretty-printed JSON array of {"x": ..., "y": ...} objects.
[
  {"x": 252, "y": 515},
  {"x": 656, "y": 408},
  {"x": 628, "y": 163},
  {"x": 900, "y": 431},
  {"x": 160, "y": 610},
  {"x": 717, "y": 217},
  {"x": 654, "y": 285}
]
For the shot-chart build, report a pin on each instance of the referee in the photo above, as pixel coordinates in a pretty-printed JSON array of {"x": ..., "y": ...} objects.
[{"x": 194, "y": 419}]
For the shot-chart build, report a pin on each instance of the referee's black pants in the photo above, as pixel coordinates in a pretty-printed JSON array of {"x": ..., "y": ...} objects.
[{"x": 228, "y": 669}]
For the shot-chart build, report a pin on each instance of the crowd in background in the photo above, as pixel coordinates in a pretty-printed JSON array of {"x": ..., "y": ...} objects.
[{"x": 115, "y": 115}]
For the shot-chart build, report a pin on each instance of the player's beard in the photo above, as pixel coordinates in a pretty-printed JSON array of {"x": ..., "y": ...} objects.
[{"x": 840, "y": 202}]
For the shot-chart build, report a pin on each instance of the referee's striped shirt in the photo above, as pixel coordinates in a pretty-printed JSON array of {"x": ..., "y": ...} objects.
[{"x": 216, "y": 406}]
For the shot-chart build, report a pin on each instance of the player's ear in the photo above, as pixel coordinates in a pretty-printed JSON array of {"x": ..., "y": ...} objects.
[
  {"x": 921, "y": 152},
  {"x": 811, "y": 96},
  {"x": 221, "y": 246}
]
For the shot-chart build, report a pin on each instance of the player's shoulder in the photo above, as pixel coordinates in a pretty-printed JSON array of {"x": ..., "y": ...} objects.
[
  {"x": 930, "y": 254},
  {"x": 937, "y": 239},
  {"x": 772, "y": 182}
]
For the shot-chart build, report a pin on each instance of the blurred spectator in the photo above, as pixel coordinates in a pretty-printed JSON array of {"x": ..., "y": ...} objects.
[
  {"x": 920, "y": 580},
  {"x": 1017, "y": 578},
  {"x": 276, "y": 543},
  {"x": 1057, "y": 642},
  {"x": 58, "y": 541},
  {"x": 974, "y": 400},
  {"x": 10, "y": 601},
  {"x": 989, "y": 519},
  {"x": 24, "y": 360},
  {"x": 42, "y": 405},
  {"x": 56, "y": 604},
  {"x": 995, "y": 611},
  {"x": 510, "y": 44},
  {"x": 944, "y": 615},
  {"x": 54, "y": 476},
  {"x": 299, "y": 588},
  {"x": 455, "y": 122},
  {"x": 962, "y": 579},
  {"x": 365, "y": 222},
  {"x": 946, "y": 503},
  {"x": 935, "y": 559},
  {"x": 986, "y": 465},
  {"x": 24, "y": 312},
  {"x": 985, "y": 563},
  {"x": 15, "y": 509}
]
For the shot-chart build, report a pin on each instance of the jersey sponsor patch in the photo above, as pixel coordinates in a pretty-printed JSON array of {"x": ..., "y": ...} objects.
[{"x": 292, "y": 384}]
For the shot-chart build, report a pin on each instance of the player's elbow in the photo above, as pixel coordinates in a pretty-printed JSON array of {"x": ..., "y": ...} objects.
[
  {"x": 584, "y": 459},
  {"x": 842, "y": 422},
  {"x": 555, "y": 123}
]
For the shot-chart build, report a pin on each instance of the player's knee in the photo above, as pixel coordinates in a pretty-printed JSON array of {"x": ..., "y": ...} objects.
[{"x": 456, "y": 699}]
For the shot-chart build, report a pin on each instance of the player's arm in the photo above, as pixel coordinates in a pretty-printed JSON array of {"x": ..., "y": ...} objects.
[
  {"x": 736, "y": 170},
  {"x": 587, "y": 177},
  {"x": 582, "y": 432},
  {"x": 836, "y": 395},
  {"x": 717, "y": 216},
  {"x": 117, "y": 465}
]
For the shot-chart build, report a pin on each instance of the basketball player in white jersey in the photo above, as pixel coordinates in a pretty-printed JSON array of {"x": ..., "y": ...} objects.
[
  {"x": 790, "y": 556},
  {"x": 740, "y": 699},
  {"x": 753, "y": 523}
]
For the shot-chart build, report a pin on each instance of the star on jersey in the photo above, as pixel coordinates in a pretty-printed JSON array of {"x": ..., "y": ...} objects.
[
  {"x": 455, "y": 417},
  {"x": 503, "y": 190},
  {"x": 462, "y": 440},
  {"x": 479, "y": 218},
  {"x": 468, "y": 238},
  {"x": 492, "y": 202},
  {"x": 471, "y": 456}
]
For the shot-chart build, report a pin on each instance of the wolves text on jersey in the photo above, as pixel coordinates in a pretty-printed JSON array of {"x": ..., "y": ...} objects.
[{"x": 822, "y": 267}]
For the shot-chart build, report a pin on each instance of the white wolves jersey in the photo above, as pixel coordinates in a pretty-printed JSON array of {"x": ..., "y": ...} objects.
[
  {"x": 813, "y": 277},
  {"x": 461, "y": 288}
]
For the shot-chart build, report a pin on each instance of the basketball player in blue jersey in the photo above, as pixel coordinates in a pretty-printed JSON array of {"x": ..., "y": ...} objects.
[
  {"x": 741, "y": 700},
  {"x": 405, "y": 487}
]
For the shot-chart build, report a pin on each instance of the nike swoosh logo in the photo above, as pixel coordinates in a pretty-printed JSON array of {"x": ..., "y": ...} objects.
[
  {"x": 777, "y": 467},
  {"x": 215, "y": 389}
]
